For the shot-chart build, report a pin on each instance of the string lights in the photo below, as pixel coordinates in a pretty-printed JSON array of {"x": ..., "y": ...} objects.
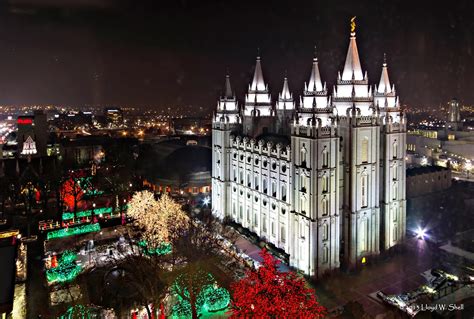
[{"x": 65, "y": 232}]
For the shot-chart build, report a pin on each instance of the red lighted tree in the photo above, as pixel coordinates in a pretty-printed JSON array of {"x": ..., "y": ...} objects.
[
  {"x": 71, "y": 193},
  {"x": 269, "y": 293}
]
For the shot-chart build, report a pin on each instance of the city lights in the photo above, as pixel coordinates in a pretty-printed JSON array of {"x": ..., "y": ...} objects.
[
  {"x": 65, "y": 232},
  {"x": 176, "y": 176}
]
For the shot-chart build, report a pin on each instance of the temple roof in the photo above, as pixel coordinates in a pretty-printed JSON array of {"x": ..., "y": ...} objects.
[
  {"x": 352, "y": 67},
  {"x": 384, "y": 84},
  {"x": 228, "y": 89},
  {"x": 315, "y": 84},
  {"x": 285, "y": 92},
  {"x": 258, "y": 83}
]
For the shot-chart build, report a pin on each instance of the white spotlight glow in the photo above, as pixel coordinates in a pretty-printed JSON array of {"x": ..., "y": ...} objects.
[
  {"x": 206, "y": 201},
  {"x": 420, "y": 233}
]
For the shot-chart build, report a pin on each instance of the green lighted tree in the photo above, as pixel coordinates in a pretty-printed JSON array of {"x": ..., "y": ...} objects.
[{"x": 197, "y": 292}]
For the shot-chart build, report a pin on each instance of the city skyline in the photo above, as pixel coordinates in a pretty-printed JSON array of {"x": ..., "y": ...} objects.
[{"x": 78, "y": 53}]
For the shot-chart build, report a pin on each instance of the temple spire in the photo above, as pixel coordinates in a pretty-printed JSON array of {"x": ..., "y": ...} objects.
[
  {"x": 315, "y": 84},
  {"x": 285, "y": 92},
  {"x": 228, "y": 89},
  {"x": 258, "y": 84},
  {"x": 352, "y": 67},
  {"x": 384, "y": 84}
]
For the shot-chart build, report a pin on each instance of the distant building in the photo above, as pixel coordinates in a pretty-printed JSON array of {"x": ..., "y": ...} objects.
[
  {"x": 177, "y": 166},
  {"x": 426, "y": 180},
  {"x": 114, "y": 117},
  {"x": 71, "y": 121},
  {"x": 32, "y": 135},
  {"x": 453, "y": 121},
  {"x": 82, "y": 151},
  {"x": 450, "y": 146}
]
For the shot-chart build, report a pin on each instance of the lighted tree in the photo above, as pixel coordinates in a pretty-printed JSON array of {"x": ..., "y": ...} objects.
[
  {"x": 161, "y": 221},
  {"x": 71, "y": 192},
  {"x": 189, "y": 285},
  {"x": 269, "y": 293}
]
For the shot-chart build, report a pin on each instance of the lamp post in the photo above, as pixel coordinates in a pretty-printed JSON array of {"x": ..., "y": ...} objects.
[
  {"x": 94, "y": 219},
  {"x": 122, "y": 212}
]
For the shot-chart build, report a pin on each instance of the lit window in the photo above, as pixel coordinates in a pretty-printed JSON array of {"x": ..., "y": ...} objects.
[
  {"x": 303, "y": 202},
  {"x": 364, "y": 154},
  {"x": 303, "y": 182},
  {"x": 363, "y": 235},
  {"x": 363, "y": 189},
  {"x": 395, "y": 171},
  {"x": 303, "y": 156},
  {"x": 325, "y": 231},
  {"x": 282, "y": 234},
  {"x": 324, "y": 206},
  {"x": 395, "y": 149},
  {"x": 325, "y": 156},
  {"x": 283, "y": 192},
  {"x": 324, "y": 183},
  {"x": 325, "y": 255}
]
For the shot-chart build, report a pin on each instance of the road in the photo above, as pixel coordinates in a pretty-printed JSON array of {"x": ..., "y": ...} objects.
[{"x": 396, "y": 274}]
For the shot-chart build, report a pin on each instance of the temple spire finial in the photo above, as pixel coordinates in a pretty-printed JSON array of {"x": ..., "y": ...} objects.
[
  {"x": 228, "y": 89},
  {"x": 385, "y": 59},
  {"x": 315, "y": 58},
  {"x": 353, "y": 25}
]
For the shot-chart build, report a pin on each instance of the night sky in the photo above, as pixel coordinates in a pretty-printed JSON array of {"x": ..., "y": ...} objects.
[{"x": 163, "y": 53}]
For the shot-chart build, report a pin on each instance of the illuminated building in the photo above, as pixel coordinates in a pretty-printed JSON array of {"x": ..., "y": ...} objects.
[
  {"x": 452, "y": 145},
  {"x": 114, "y": 117},
  {"x": 454, "y": 116},
  {"x": 32, "y": 135},
  {"x": 317, "y": 179}
]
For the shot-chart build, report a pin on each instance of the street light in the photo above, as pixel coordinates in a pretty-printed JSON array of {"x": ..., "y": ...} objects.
[
  {"x": 94, "y": 219},
  {"x": 206, "y": 201},
  {"x": 420, "y": 233}
]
